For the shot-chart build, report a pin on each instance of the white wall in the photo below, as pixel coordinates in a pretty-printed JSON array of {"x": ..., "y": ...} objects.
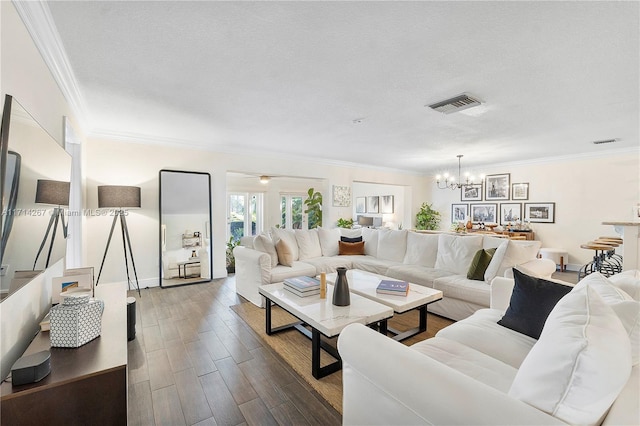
[
  {"x": 587, "y": 191},
  {"x": 25, "y": 76},
  {"x": 122, "y": 163},
  {"x": 402, "y": 196}
]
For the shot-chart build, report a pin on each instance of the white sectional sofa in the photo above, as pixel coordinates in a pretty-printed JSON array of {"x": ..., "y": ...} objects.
[
  {"x": 439, "y": 261},
  {"x": 582, "y": 370}
]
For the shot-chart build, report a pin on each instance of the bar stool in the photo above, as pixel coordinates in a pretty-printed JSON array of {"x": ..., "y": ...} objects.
[
  {"x": 599, "y": 262},
  {"x": 612, "y": 257}
]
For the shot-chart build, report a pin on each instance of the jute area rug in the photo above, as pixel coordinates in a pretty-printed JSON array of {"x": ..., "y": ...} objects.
[{"x": 295, "y": 348}]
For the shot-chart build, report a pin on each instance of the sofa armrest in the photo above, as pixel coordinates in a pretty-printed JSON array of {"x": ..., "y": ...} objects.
[
  {"x": 386, "y": 382},
  {"x": 253, "y": 269},
  {"x": 540, "y": 268}
]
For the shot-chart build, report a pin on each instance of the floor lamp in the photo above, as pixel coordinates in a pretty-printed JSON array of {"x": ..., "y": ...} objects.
[
  {"x": 119, "y": 197},
  {"x": 56, "y": 193}
]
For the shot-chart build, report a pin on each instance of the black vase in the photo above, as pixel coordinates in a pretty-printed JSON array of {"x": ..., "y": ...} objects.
[{"x": 341, "y": 288}]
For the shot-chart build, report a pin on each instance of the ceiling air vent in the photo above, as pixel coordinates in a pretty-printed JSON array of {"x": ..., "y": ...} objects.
[
  {"x": 456, "y": 104},
  {"x": 605, "y": 141}
]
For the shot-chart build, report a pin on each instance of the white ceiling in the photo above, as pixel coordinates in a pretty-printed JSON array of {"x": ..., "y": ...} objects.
[{"x": 290, "y": 77}]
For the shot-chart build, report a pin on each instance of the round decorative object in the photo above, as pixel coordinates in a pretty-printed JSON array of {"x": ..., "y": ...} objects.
[
  {"x": 341, "y": 290},
  {"x": 469, "y": 224}
]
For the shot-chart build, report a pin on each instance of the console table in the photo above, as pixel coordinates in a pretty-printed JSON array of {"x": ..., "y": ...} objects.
[
  {"x": 529, "y": 235},
  {"x": 87, "y": 385}
]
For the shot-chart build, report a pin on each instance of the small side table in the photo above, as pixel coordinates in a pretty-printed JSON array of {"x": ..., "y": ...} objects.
[{"x": 558, "y": 255}]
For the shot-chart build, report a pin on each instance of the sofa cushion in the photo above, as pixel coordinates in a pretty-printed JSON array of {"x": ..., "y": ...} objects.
[
  {"x": 329, "y": 241},
  {"x": 370, "y": 237},
  {"x": 572, "y": 372},
  {"x": 265, "y": 244},
  {"x": 308, "y": 244},
  {"x": 469, "y": 362},
  {"x": 421, "y": 249},
  {"x": 416, "y": 274},
  {"x": 627, "y": 309},
  {"x": 460, "y": 287},
  {"x": 531, "y": 302},
  {"x": 481, "y": 332},
  {"x": 629, "y": 282},
  {"x": 346, "y": 248},
  {"x": 392, "y": 244},
  {"x": 371, "y": 264},
  {"x": 297, "y": 268},
  {"x": 480, "y": 263},
  {"x": 289, "y": 236},
  {"x": 518, "y": 252},
  {"x": 496, "y": 260},
  {"x": 329, "y": 264},
  {"x": 351, "y": 233},
  {"x": 285, "y": 256},
  {"x": 456, "y": 252}
]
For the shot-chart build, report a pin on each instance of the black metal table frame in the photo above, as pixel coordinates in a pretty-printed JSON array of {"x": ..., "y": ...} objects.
[
  {"x": 185, "y": 264},
  {"x": 316, "y": 341},
  {"x": 399, "y": 336}
]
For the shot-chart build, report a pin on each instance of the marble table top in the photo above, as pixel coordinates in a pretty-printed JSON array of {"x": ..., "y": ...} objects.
[
  {"x": 365, "y": 283},
  {"x": 321, "y": 314}
]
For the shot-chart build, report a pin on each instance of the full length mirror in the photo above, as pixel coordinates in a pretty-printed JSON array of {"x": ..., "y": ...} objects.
[
  {"x": 185, "y": 227},
  {"x": 35, "y": 189}
]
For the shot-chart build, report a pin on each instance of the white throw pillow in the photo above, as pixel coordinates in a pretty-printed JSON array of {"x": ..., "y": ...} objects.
[
  {"x": 455, "y": 253},
  {"x": 629, "y": 281},
  {"x": 392, "y": 245},
  {"x": 370, "y": 238},
  {"x": 627, "y": 309},
  {"x": 264, "y": 244},
  {"x": 308, "y": 244},
  {"x": 518, "y": 252},
  {"x": 572, "y": 373},
  {"x": 289, "y": 237},
  {"x": 492, "y": 270},
  {"x": 421, "y": 249},
  {"x": 329, "y": 241}
]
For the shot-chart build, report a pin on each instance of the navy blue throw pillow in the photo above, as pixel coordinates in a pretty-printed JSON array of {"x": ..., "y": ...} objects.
[
  {"x": 351, "y": 240},
  {"x": 531, "y": 303}
]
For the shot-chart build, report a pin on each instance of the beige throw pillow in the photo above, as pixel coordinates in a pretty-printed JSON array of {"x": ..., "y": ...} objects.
[
  {"x": 264, "y": 244},
  {"x": 285, "y": 256}
]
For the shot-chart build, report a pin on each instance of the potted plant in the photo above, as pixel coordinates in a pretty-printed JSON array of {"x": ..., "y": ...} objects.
[
  {"x": 231, "y": 260},
  {"x": 427, "y": 217},
  {"x": 314, "y": 208},
  {"x": 345, "y": 223}
]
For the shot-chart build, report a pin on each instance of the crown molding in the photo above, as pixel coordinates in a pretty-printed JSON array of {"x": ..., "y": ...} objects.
[{"x": 37, "y": 18}]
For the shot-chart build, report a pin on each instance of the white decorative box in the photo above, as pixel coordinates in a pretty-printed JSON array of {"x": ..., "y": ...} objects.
[{"x": 75, "y": 321}]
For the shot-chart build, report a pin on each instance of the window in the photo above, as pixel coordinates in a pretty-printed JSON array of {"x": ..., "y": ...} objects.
[
  {"x": 292, "y": 211},
  {"x": 245, "y": 212}
]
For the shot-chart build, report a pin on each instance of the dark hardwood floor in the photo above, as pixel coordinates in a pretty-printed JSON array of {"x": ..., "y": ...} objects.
[{"x": 195, "y": 362}]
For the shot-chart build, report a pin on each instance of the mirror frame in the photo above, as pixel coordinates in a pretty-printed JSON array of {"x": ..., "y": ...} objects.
[{"x": 160, "y": 233}]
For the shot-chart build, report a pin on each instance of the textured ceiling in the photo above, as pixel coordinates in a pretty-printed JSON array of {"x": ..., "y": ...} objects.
[{"x": 291, "y": 77}]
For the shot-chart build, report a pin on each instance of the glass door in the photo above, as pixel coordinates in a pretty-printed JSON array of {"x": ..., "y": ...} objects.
[{"x": 292, "y": 211}]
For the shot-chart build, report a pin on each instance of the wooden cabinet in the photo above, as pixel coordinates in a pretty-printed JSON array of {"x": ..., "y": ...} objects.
[
  {"x": 87, "y": 385},
  {"x": 528, "y": 235}
]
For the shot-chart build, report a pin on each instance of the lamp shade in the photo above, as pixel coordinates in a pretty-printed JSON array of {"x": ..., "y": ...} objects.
[
  {"x": 52, "y": 192},
  {"x": 118, "y": 196}
]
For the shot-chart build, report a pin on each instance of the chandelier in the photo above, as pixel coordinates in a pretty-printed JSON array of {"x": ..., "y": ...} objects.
[{"x": 450, "y": 181}]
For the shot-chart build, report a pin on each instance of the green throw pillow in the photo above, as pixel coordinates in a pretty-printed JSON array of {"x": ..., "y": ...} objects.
[{"x": 479, "y": 264}]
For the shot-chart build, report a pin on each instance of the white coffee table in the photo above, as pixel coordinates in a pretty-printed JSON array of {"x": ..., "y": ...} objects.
[
  {"x": 323, "y": 318},
  {"x": 365, "y": 283}
]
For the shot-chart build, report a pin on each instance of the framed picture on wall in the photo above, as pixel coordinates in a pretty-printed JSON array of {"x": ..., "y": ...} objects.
[
  {"x": 510, "y": 212},
  {"x": 341, "y": 196},
  {"x": 361, "y": 204},
  {"x": 540, "y": 212},
  {"x": 520, "y": 191},
  {"x": 497, "y": 187},
  {"x": 386, "y": 204},
  {"x": 459, "y": 212},
  {"x": 485, "y": 213},
  {"x": 471, "y": 193},
  {"x": 372, "y": 204}
]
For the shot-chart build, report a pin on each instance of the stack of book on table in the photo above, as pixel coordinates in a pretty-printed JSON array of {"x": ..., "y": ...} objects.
[
  {"x": 302, "y": 286},
  {"x": 397, "y": 288}
]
